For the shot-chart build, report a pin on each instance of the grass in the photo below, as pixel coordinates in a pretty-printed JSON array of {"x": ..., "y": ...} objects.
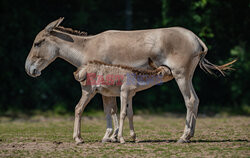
[{"x": 52, "y": 137}]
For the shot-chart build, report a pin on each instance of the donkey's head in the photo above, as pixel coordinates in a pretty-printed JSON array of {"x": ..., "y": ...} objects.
[{"x": 43, "y": 51}]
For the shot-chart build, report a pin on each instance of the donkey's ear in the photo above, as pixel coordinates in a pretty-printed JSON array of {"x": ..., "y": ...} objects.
[
  {"x": 54, "y": 24},
  {"x": 80, "y": 74}
]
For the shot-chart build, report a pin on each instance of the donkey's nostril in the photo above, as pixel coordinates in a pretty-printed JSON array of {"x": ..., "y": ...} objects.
[{"x": 34, "y": 72}]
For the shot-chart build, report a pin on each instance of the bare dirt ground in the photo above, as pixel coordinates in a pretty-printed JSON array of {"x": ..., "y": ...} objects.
[{"x": 157, "y": 135}]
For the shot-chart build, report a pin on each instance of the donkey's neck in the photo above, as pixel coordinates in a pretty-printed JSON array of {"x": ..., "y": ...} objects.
[{"x": 71, "y": 52}]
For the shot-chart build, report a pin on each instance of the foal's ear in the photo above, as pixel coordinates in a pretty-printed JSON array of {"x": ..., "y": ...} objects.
[
  {"x": 151, "y": 63},
  {"x": 164, "y": 71},
  {"x": 80, "y": 74},
  {"x": 54, "y": 24}
]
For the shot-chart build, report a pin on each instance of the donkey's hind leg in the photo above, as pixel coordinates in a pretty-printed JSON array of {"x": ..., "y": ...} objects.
[
  {"x": 183, "y": 76},
  {"x": 183, "y": 73},
  {"x": 192, "y": 103}
]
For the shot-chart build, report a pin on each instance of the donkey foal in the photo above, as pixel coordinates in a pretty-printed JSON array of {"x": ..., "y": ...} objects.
[{"x": 115, "y": 80}]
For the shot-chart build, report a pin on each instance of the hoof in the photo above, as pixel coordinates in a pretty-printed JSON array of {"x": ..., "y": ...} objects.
[
  {"x": 113, "y": 139},
  {"x": 79, "y": 141},
  {"x": 183, "y": 141},
  {"x": 105, "y": 140},
  {"x": 122, "y": 141},
  {"x": 133, "y": 138}
]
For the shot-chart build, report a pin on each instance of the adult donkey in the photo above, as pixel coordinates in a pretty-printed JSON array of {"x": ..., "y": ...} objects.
[{"x": 178, "y": 48}]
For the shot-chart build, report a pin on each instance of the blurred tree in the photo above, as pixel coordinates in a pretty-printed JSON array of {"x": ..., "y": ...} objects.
[
  {"x": 129, "y": 13},
  {"x": 223, "y": 25}
]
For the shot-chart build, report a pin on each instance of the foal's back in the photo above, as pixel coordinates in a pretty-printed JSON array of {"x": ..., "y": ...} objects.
[{"x": 110, "y": 80}]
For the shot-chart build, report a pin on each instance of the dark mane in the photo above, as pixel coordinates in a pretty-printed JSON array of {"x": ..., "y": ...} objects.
[
  {"x": 70, "y": 31},
  {"x": 134, "y": 70}
]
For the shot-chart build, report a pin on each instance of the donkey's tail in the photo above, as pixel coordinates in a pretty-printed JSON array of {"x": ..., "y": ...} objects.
[{"x": 207, "y": 66}]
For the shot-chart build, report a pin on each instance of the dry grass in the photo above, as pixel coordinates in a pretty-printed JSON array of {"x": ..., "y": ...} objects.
[{"x": 52, "y": 137}]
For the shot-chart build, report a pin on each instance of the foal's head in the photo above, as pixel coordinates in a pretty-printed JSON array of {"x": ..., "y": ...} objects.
[{"x": 43, "y": 51}]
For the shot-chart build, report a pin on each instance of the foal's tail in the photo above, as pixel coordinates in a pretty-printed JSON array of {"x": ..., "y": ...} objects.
[{"x": 207, "y": 66}]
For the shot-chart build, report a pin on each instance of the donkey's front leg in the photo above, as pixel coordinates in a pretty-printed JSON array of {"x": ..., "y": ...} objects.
[
  {"x": 86, "y": 97},
  {"x": 107, "y": 105},
  {"x": 124, "y": 102},
  {"x": 110, "y": 109},
  {"x": 115, "y": 120}
]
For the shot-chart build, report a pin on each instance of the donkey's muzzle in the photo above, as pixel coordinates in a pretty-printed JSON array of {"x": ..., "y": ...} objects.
[{"x": 31, "y": 70}]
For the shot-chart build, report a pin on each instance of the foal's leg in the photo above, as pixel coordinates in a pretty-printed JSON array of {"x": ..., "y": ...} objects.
[
  {"x": 110, "y": 108},
  {"x": 86, "y": 97},
  {"x": 124, "y": 102},
  {"x": 192, "y": 102},
  {"x": 130, "y": 118}
]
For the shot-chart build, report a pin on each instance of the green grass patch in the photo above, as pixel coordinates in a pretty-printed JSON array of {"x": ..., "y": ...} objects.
[{"x": 40, "y": 136}]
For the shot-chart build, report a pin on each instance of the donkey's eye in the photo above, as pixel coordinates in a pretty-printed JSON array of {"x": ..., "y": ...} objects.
[{"x": 38, "y": 44}]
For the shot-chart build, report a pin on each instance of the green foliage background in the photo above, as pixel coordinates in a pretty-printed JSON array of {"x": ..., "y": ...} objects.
[{"x": 222, "y": 24}]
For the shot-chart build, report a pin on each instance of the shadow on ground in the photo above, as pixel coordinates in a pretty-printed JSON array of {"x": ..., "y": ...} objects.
[{"x": 193, "y": 141}]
